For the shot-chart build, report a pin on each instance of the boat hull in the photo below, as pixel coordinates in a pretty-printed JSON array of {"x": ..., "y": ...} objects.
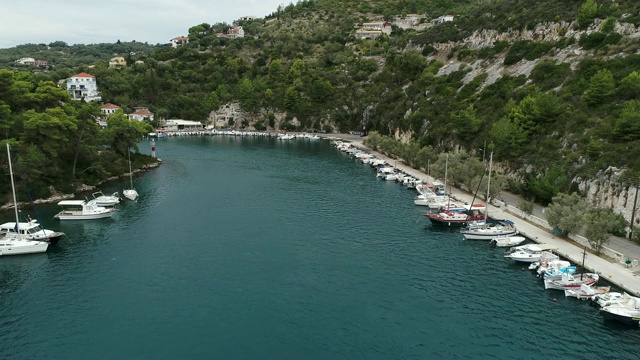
[
  {"x": 627, "y": 319},
  {"x": 85, "y": 217},
  {"x": 35, "y": 248},
  {"x": 130, "y": 194}
]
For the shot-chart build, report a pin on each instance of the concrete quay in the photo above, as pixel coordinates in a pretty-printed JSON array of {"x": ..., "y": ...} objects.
[{"x": 611, "y": 268}]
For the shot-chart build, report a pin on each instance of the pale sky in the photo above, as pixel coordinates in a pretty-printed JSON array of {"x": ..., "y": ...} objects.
[{"x": 106, "y": 21}]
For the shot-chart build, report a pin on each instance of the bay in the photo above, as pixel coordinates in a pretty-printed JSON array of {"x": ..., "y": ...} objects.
[{"x": 256, "y": 248}]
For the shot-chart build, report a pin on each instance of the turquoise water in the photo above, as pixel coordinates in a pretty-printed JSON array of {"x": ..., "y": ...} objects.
[{"x": 255, "y": 248}]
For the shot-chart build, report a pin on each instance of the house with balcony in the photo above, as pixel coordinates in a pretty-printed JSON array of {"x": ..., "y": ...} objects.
[
  {"x": 141, "y": 114},
  {"x": 109, "y": 108},
  {"x": 179, "y": 41},
  {"x": 83, "y": 86},
  {"x": 367, "y": 34},
  {"x": 117, "y": 62}
]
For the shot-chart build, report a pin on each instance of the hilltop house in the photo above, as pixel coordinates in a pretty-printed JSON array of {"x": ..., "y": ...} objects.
[
  {"x": 233, "y": 33},
  {"x": 141, "y": 114},
  {"x": 371, "y": 30},
  {"x": 247, "y": 18},
  {"x": 83, "y": 86},
  {"x": 117, "y": 62},
  {"x": 179, "y": 41},
  {"x": 109, "y": 108}
]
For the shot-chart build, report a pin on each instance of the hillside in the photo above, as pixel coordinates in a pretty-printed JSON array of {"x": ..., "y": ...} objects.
[{"x": 551, "y": 87}]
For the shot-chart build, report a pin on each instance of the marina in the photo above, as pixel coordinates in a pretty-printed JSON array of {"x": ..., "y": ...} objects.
[{"x": 295, "y": 249}]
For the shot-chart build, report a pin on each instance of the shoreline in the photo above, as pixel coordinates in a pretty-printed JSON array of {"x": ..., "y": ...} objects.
[{"x": 81, "y": 188}]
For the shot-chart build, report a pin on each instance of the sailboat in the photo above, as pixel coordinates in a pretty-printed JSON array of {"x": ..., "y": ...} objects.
[
  {"x": 130, "y": 193},
  {"x": 16, "y": 243},
  {"x": 499, "y": 229}
]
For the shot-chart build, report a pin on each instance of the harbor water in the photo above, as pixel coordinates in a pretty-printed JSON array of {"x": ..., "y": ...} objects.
[{"x": 256, "y": 248}]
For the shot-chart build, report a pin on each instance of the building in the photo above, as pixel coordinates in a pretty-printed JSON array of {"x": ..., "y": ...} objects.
[
  {"x": 409, "y": 21},
  {"x": 378, "y": 25},
  {"x": 141, "y": 114},
  {"x": 83, "y": 86},
  {"x": 367, "y": 34},
  {"x": 247, "y": 18},
  {"x": 233, "y": 33},
  {"x": 117, "y": 62},
  {"x": 26, "y": 61},
  {"x": 43, "y": 64},
  {"x": 179, "y": 41},
  {"x": 109, "y": 108},
  {"x": 442, "y": 19},
  {"x": 182, "y": 125}
]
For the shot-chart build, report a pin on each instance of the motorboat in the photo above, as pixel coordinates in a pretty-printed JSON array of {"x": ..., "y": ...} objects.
[
  {"x": 532, "y": 252},
  {"x": 570, "y": 281},
  {"x": 83, "y": 210},
  {"x": 491, "y": 231},
  {"x": 542, "y": 267},
  {"x": 106, "y": 200},
  {"x": 628, "y": 313},
  {"x": 31, "y": 230},
  {"x": 507, "y": 241},
  {"x": 17, "y": 243},
  {"x": 608, "y": 299},
  {"x": 586, "y": 291}
]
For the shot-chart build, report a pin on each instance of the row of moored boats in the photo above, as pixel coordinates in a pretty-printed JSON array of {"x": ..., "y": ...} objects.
[{"x": 475, "y": 224}]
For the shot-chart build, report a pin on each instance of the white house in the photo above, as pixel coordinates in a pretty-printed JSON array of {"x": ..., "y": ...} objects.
[
  {"x": 233, "y": 33},
  {"x": 109, "y": 108},
  {"x": 83, "y": 86},
  {"x": 367, "y": 34},
  {"x": 26, "y": 61},
  {"x": 179, "y": 41},
  {"x": 443, "y": 19},
  {"x": 141, "y": 114},
  {"x": 182, "y": 125}
]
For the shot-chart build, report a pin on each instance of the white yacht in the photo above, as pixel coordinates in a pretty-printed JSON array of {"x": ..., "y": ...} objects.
[
  {"x": 490, "y": 231},
  {"x": 31, "y": 230},
  {"x": 83, "y": 210},
  {"x": 16, "y": 243}
]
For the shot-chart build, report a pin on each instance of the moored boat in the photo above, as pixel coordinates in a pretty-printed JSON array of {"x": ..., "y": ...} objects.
[
  {"x": 507, "y": 241},
  {"x": 83, "y": 210},
  {"x": 628, "y": 313},
  {"x": 586, "y": 291},
  {"x": 532, "y": 253},
  {"x": 570, "y": 281},
  {"x": 106, "y": 200},
  {"x": 31, "y": 230}
]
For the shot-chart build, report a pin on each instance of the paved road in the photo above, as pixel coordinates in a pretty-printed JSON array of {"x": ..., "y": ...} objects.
[{"x": 625, "y": 246}]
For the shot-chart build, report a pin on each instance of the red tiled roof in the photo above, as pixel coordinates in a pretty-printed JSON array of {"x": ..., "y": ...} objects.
[
  {"x": 109, "y": 106},
  {"x": 143, "y": 112},
  {"x": 83, "y": 75},
  {"x": 181, "y": 38}
]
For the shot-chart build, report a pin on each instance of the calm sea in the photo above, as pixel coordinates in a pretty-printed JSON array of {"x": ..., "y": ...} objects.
[{"x": 256, "y": 248}]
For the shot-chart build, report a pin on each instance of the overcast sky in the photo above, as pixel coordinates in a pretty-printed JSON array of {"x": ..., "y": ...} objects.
[{"x": 107, "y": 21}]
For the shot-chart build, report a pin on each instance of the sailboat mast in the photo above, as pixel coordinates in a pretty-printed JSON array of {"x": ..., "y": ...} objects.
[
  {"x": 13, "y": 189},
  {"x": 446, "y": 168},
  {"x": 486, "y": 211},
  {"x": 130, "y": 173}
]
